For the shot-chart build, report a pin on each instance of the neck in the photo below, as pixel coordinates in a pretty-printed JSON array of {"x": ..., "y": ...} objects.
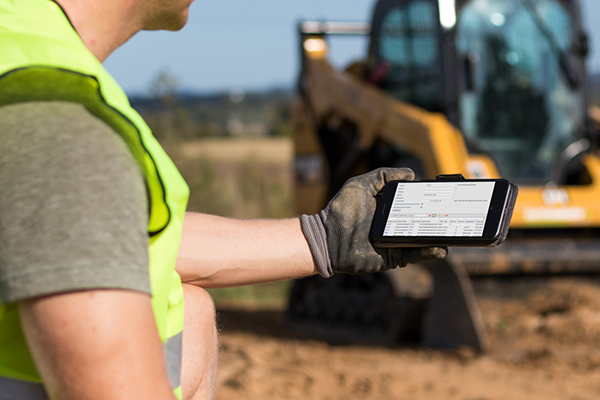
[{"x": 103, "y": 25}]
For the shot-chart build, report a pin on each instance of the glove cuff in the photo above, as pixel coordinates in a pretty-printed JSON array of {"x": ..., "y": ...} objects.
[{"x": 313, "y": 228}]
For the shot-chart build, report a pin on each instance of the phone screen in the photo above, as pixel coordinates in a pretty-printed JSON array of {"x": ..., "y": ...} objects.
[{"x": 451, "y": 209}]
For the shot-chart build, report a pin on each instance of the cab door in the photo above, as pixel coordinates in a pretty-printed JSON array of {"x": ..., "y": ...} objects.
[{"x": 412, "y": 56}]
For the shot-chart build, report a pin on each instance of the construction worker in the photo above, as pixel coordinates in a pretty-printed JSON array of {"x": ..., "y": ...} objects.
[{"x": 98, "y": 255}]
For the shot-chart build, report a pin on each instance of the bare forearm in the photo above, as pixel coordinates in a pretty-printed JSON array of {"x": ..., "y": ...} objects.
[{"x": 221, "y": 252}]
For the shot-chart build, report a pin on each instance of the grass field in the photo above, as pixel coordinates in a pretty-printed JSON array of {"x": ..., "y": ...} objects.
[{"x": 240, "y": 178}]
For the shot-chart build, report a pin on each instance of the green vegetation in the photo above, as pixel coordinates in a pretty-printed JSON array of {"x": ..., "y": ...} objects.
[
  {"x": 175, "y": 116},
  {"x": 225, "y": 180}
]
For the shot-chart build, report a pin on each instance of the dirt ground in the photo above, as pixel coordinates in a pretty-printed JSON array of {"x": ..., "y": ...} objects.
[{"x": 545, "y": 344}]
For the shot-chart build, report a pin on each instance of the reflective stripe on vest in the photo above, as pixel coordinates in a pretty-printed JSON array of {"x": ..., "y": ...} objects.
[
  {"x": 15, "y": 389},
  {"x": 172, "y": 349},
  {"x": 43, "y": 59}
]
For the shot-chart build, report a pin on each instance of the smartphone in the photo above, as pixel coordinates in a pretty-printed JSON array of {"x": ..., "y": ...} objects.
[{"x": 473, "y": 212}]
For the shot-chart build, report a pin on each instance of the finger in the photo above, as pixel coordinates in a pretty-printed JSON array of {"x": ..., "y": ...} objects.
[
  {"x": 417, "y": 255},
  {"x": 380, "y": 177},
  {"x": 397, "y": 174}
]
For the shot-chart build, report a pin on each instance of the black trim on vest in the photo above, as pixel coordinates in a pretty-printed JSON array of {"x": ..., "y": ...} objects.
[{"x": 160, "y": 179}]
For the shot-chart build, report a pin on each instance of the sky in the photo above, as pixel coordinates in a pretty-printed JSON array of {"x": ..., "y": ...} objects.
[{"x": 253, "y": 45}]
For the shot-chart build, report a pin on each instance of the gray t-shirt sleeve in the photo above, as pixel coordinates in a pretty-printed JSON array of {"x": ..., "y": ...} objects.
[{"x": 73, "y": 206}]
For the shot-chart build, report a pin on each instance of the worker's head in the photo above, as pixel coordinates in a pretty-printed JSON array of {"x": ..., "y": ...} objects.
[
  {"x": 106, "y": 24},
  {"x": 170, "y": 15}
]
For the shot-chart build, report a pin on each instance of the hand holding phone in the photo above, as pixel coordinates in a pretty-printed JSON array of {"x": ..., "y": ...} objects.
[
  {"x": 451, "y": 211},
  {"x": 339, "y": 236}
]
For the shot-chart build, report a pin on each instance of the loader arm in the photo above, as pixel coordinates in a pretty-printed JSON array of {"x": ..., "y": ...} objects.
[
  {"x": 331, "y": 99},
  {"x": 334, "y": 95}
]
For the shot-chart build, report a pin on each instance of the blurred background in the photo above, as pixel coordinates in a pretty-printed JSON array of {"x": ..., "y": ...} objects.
[
  {"x": 218, "y": 96},
  {"x": 253, "y": 46}
]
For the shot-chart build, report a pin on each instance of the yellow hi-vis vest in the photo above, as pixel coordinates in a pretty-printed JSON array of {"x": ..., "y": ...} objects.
[{"x": 42, "y": 58}]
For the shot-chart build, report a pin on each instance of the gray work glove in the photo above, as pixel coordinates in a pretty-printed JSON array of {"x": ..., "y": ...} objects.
[{"x": 338, "y": 237}]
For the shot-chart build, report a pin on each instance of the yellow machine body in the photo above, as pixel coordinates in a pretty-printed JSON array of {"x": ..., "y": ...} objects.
[{"x": 344, "y": 115}]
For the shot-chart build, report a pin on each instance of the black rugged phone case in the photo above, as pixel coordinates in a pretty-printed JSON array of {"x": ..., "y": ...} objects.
[{"x": 512, "y": 199}]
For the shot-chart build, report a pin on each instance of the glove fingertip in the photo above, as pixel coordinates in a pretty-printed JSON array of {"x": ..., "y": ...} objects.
[
  {"x": 436, "y": 253},
  {"x": 404, "y": 174},
  {"x": 417, "y": 255}
]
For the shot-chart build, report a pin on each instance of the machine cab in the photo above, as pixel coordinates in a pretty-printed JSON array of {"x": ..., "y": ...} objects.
[{"x": 509, "y": 73}]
